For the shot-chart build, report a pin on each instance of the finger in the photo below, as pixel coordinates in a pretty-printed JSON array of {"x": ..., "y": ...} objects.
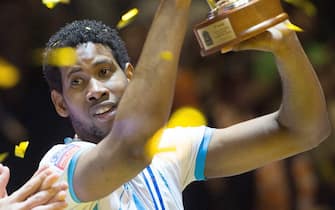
[
  {"x": 45, "y": 197},
  {"x": 51, "y": 178},
  {"x": 61, "y": 195},
  {"x": 258, "y": 42},
  {"x": 52, "y": 206},
  {"x": 4, "y": 178},
  {"x": 41, "y": 169},
  {"x": 39, "y": 198},
  {"x": 49, "y": 181},
  {"x": 31, "y": 186}
]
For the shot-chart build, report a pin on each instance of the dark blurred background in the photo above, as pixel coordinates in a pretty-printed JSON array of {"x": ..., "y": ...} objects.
[{"x": 226, "y": 88}]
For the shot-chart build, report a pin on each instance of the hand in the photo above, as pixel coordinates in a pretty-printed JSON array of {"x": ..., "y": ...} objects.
[
  {"x": 41, "y": 192},
  {"x": 4, "y": 177},
  {"x": 274, "y": 39}
]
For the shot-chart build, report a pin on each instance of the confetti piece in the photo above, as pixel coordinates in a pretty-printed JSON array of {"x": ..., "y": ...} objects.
[
  {"x": 186, "y": 116},
  {"x": 130, "y": 14},
  {"x": 127, "y": 18},
  {"x": 166, "y": 55},
  {"x": 65, "y": 56},
  {"x": 293, "y": 27},
  {"x": 52, "y": 3},
  {"x": 20, "y": 149},
  {"x": 9, "y": 74},
  {"x": 152, "y": 144},
  {"x": 3, "y": 156}
]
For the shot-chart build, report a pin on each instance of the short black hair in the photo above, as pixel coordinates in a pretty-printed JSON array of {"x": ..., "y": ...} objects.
[{"x": 78, "y": 32}]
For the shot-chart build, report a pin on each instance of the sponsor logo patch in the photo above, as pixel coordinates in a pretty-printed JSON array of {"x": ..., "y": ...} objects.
[{"x": 62, "y": 157}]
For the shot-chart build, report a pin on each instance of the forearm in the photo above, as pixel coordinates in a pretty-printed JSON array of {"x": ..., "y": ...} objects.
[{"x": 303, "y": 107}]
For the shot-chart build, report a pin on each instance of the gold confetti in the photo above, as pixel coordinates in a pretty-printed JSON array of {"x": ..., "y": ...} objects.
[
  {"x": 186, "y": 116},
  {"x": 293, "y": 27},
  {"x": 127, "y": 18},
  {"x": 52, "y": 3},
  {"x": 3, "y": 156},
  {"x": 60, "y": 57},
  {"x": 130, "y": 14},
  {"x": 166, "y": 55},
  {"x": 9, "y": 74},
  {"x": 20, "y": 149}
]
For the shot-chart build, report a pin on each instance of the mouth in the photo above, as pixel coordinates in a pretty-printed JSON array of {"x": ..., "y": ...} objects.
[{"x": 105, "y": 110}]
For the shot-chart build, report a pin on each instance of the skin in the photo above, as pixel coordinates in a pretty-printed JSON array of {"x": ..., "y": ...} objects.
[
  {"x": 39, "y": 193},
  {"x": 4, "y": 178},
  {"x": 94, "y": 83},
  {"x": 300, "y": 124}
]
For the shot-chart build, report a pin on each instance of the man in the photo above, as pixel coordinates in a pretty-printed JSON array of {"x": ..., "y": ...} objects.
[
  {"x": 116, "y": 112},
  {"x": 39, "y": 193}
]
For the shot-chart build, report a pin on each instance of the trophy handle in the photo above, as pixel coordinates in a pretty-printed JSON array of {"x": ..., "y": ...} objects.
[{"x": 226, "y": 28}]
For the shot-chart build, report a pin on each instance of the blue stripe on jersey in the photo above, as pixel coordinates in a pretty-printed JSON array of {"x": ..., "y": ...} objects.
[
  {"x": 164, "y": 180},
  {"x": 167, "y": 186},
  {"x": 201, "y": 157},
  {"x": 156, "y": 187},
  {"x": 70, "y": 173},
  {"x": 138, "y": 203},
  {"x": 148, "y": 186}
]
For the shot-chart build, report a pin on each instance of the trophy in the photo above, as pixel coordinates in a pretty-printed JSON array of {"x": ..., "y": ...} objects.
[{"x": 232, "y": 21}]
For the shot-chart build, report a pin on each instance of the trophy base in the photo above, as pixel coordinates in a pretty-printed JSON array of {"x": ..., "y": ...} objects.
[{"x": 226, "y": 28}]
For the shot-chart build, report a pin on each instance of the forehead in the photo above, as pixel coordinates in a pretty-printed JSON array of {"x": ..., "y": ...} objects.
[
  {"x": 89, "y": 55},
  {"x": 90, "y": 50}
]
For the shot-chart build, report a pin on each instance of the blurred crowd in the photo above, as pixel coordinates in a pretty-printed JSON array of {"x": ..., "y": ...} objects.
[{"x": 226, "y": 88}]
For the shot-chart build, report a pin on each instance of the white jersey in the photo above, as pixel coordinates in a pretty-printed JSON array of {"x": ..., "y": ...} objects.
[{"x": 158, "y": 186}]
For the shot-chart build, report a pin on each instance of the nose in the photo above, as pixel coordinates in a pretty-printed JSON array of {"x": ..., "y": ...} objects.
[{"x": 96, "y": 91}]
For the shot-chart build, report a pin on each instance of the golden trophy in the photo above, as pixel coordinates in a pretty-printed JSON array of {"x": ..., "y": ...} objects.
[{"x": 232, "y": 21}]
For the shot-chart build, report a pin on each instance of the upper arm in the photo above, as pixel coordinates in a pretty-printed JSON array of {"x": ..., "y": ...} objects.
[{"x": 249, "y": 145}]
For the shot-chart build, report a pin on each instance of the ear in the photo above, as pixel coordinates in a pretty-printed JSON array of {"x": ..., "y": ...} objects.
[
  {"x": 129, "y": 70},
  {"x": 59, "y": 103}
]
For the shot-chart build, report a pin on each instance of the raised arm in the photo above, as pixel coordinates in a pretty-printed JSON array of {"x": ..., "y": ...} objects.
[
  {"x": 143, "y": 109},
  {"x": 300, "y": 124}
]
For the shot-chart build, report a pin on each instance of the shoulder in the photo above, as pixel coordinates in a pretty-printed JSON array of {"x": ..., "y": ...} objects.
[
  {"x": 179, "y": 135},
  {"x": 59, "y": 155}
]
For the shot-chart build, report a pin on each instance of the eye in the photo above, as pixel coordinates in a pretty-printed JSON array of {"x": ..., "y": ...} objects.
[
  {"x": 76, "y": 82},
  {"x": 105, "y": 72}
]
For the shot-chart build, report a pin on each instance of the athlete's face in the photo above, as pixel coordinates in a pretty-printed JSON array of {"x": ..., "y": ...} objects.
[{"x": 92, "y": 89}]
